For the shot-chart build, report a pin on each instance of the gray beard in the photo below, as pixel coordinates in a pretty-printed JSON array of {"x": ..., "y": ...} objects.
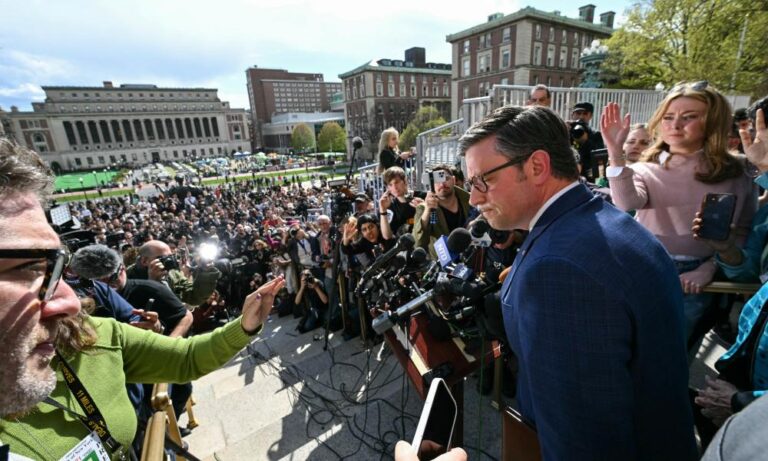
[{"x": 21, "y": 391}]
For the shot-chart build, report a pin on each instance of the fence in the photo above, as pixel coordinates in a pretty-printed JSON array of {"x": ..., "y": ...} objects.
[{"x": 440, "y": 145}]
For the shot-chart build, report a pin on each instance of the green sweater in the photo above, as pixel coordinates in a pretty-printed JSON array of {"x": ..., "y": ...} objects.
[{"x": 122, "y": 354}]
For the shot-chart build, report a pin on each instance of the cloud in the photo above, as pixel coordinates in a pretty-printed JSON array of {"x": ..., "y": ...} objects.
[{"x": 21, "y": 91}]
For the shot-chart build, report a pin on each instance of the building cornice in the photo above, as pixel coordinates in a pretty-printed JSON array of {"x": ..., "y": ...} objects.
[
  {"x": 525, "y": 13},
  {"x": 374, "y": 66}
]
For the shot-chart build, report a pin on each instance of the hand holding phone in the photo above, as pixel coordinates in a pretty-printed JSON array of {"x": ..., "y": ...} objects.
[
  {"x": 716, "y": 215},
  {"x": 434, "y": 432}
]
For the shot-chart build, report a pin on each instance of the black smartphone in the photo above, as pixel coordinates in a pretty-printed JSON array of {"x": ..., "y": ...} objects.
[
  {"x": 436, "y": 424},
  {"x": 716, "y": 216}
]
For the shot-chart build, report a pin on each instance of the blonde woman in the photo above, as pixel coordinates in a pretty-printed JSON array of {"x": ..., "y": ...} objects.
[
  {"x": 389, "y": 153},
  {"x": 687, "y": 160}
]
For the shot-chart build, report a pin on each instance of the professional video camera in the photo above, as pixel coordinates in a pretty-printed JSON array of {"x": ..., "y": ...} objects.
[
  {"x": 340, "y": 204},
  {"x": 577, "y": 128}
]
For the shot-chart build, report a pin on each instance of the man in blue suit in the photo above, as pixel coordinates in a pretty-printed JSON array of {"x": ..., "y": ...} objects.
[{"x": 592, "y": 304}]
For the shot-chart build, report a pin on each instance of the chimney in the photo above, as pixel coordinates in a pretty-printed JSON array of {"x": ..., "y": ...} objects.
[
  {"x": 587, "y": 13},
  {"x": 107, "y": 84},
  {"x": 416, "y": 55},
  {"x": 495, "y": 16},
  {"x": 606, "y": 19}
]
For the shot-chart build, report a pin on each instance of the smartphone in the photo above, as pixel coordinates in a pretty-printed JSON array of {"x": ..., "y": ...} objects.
[
  {"x": 716, "y": 216},
  {"x": 434, "y": 177},
  {"x": 437, "y": 422}
]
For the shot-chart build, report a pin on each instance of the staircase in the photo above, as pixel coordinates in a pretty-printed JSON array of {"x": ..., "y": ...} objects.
[{"x": 285, "y": 398}]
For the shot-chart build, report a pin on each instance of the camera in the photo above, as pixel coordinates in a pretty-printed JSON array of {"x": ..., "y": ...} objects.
[
  {"x": 169, "y": 262},
  {"x": 308, "y": 278},
  {"x": 577, "y": 128}
]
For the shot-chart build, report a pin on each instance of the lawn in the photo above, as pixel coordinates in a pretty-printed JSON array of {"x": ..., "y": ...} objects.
[{"x": 91, "y": 180}]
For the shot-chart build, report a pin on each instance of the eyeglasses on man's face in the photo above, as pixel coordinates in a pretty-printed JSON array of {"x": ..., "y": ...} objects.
[
  {"x": 478, "y": 183},
  {"x": 56, "y": 260}
]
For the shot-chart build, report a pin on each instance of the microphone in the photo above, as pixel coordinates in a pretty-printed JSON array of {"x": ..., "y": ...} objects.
[
  {"x": 386, "y": 320},
  {"x": 357, "y": 142},
  {"x": 405, "y": 242}
]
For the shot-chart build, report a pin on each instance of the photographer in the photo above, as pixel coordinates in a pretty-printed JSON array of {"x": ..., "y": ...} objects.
[
  {"x": 584, "y": 138},
  {"x": 314, "y": 299},
  {"x": 449, "y": 202},
  {"x": 157, "y": 262}
]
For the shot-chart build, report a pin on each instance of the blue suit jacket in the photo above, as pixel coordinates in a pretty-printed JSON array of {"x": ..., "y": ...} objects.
[{"x": 593, "y": 310}]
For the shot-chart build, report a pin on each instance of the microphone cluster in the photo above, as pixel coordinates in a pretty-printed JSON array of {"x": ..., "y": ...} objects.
[{"x": 402, "y": 281}]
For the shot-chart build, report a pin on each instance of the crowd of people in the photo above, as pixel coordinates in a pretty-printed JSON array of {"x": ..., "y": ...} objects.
[{"x": 602, "y": 305}]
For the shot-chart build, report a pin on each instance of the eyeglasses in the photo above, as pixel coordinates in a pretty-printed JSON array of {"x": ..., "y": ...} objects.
[
  {"x": 695, "y": 86},
  {"x": 478, "y": 181},
  {"x": 56, "y": 261},
  {"x": 116, "y": 274}
]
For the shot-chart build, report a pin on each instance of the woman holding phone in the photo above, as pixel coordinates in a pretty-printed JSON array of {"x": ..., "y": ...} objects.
[
  {"x": 389, "y": 153},
  {"x": 687, "y": 160}
]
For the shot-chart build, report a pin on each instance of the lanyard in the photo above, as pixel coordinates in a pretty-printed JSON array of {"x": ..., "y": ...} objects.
[{"x": 93, "y": 419}]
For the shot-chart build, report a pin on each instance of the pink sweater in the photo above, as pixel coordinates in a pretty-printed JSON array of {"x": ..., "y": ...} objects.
[{"x": 667, "y": 199}]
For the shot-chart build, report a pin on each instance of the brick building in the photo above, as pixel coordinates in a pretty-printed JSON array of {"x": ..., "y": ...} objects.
[
  {"x": 277, "y": 91},
  {"x": 527, "y": 47},
  {"x": 388, "y": 92}
]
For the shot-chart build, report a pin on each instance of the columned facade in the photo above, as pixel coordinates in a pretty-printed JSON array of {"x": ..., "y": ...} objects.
[{"x": 100, "y": 127}]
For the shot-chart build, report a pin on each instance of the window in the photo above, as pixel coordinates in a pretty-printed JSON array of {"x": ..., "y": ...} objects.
[
  {"x": 446, "y": 90},
  {"x": 550, "y": 55},
  {"x": 391, "y": 89},
  {"x": 413, "y": 90},
  {"x": 465, "y": 49},
  {"x": 506, "y": 54},
  {"x": 488, "y": 40},
  {"x": 484, "y": 62},
  {"x": 563, "y": 57},
  {"x": 465, "y": 91},
  {"x": 435, "y": 90},
  {"x": 78, "y": 162},
  {"x": 537, "y": 30},
  {"x": 505, "y": 34},
  {"x": 505, "y": 81},
  {"x": 576, "y": 38},
  {"x": 564, "y": 37},
  {"x": 465, "y": 70},
  {"x": 551, "y": 34},
  {"x": 379, "y": 89},
  {"x": 575, "y": 58},
  {"x": 362, "y": 89},
  {"x": 537, "y": 54},
  {"x": 402, "y": 89}
]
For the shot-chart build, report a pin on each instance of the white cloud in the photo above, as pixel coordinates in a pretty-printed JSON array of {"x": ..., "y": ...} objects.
[
  {"x": 23, "y": 90},
  {"x": 15, "y": 63}
]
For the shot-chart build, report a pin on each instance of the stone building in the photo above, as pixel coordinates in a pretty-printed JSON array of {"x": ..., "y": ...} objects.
[{"x": 81, "y": 128}]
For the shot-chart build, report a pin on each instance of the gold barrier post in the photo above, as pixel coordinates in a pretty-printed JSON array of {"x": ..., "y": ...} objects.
[{"x": 154, "y": 438}]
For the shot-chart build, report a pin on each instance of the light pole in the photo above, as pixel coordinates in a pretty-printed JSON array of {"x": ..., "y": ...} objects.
[{"x": 85, "y": 196}]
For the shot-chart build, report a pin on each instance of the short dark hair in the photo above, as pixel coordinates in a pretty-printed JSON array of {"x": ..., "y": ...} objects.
[
  {"x": 450, "y": 169},
  {"x": 519, "y": 131},
  {"x": 392, "y": 173},
  {"x": 540, "y": 87},
  {"x": 22, "y": 171}
]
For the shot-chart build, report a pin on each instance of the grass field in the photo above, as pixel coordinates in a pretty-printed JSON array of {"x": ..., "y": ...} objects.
[{"x": 91, "y": 180}]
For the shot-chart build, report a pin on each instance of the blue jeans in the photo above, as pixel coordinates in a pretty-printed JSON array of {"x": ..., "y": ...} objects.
[{"x": 694, "y": 305}]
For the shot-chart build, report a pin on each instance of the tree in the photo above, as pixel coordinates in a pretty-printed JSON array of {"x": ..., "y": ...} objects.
[
  {"x": 332, "y": 138},
  {"x": 426, "y": 118},
  {"x": 302, "y": 138},
  {"x": 666, "y": 41}
]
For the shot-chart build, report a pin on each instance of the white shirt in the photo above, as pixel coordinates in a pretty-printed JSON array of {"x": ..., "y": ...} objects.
[{"x": 549, "y": 202}]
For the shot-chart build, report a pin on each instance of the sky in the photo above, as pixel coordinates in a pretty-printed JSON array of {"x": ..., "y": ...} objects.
[{"x": 210, "y": 44}]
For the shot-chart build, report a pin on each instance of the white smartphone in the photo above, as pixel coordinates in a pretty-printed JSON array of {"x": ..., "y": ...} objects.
[{"x": 434, "y": 432}]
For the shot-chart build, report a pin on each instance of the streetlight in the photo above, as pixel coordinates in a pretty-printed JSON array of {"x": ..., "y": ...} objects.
[{"x": 83, "y": 188}]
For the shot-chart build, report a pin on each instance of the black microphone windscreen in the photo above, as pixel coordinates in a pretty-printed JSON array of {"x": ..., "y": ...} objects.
[
  {"x": 418, "y": 256},
  {"x": 398, "y": 262},
  {"x": 406, "y": 242},
  {"x": 479, "y": 227},
  {"x": 357, "y": 142},
  {"x": 459, "y": 240}
]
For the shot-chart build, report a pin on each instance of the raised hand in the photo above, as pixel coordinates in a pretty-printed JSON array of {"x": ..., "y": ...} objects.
[
  {"x": 614, "y": 129},
  {"x": 258, "y": 304},
  {"x": 757, "y": 150}
]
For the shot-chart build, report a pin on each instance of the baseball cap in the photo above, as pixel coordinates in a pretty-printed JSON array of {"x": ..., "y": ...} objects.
[{"x": 584, "y": 106}]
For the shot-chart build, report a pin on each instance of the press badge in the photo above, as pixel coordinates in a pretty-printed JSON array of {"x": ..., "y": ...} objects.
[{"x": 89, "y": 449}]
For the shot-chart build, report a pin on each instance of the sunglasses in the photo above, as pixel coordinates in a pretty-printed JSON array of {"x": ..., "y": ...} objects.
[
  {"x": 56, "y": 261},
  {"x": 695, "y": 86}
]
